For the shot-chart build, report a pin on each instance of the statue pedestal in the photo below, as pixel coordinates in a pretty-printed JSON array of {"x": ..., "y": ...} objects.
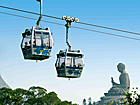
[
  {"x": 108, "y": 99},
  {"x": 115, "y": 94}
]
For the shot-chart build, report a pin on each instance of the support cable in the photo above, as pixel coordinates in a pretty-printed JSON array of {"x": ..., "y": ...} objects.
[
  {"x": 115, "y": 29},
  {"x": 73, "y": 27}
]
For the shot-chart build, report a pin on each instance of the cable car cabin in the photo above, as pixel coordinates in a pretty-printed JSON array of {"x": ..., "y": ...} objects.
[
  {"x": 37, "y": 44},
  {"x": 69, "y": 64}
]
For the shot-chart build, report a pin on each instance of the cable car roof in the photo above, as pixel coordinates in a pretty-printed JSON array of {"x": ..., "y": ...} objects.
[
  {"x": 73, "y": 53},
  {"x": 42, "y": 30}
]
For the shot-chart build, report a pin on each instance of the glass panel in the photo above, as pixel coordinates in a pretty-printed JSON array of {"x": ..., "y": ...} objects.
[
  {"x": 62, "y": 62},
  {"x": 33, "y": 42},
  {"x": 69, "y": 62},
  {"x": 46, "y": 39},
  {"x": 78, "y": 62},
  {"x": 26, "y": 41},
  {"x": 38, "y": 38},
  {"x": 51, "y": 41},
  {"x": 57, "y": 62}
]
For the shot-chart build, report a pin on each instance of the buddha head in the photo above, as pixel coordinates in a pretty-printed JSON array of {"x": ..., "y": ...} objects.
[{"x": 121, "y": 67}]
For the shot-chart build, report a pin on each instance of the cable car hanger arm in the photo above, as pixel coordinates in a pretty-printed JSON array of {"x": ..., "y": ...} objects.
[
  {"x": 40, "y": 13},
  {"x": 68, "y": 25},
  {"x": 67, "y": 28}
]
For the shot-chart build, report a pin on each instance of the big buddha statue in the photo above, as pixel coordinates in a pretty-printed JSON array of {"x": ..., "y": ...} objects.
[
  {"x": 118, "y": 90},
  {"x": 124, "y": 78}
]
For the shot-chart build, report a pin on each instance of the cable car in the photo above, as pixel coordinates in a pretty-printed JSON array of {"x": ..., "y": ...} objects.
[
  {"x": 37, "y": 44},
  {"x": 69, "y": 63}
]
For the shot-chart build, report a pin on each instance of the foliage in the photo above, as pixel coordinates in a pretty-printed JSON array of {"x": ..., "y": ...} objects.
[
  {"x": 65, "y": 103},
  {"x": 111, "y": 103},
  {"x": 94, "y": 103},
  {"x": 33, "y": 96},
  {"x": 132, "y": 98},
  {"x": 84, "y": 101},
  {"x": 89, "y": 101}
]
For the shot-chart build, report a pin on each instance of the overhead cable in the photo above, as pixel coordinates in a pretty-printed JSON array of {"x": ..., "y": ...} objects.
[
  {"x": 30, "y": 12},
  {"x": 30, "y": 18},
  {"x": 115, "y": 29},
  {"x": 73, "y": 26}
]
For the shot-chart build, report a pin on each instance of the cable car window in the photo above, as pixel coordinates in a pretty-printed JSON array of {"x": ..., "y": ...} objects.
[
  {"x": 57, "y": 62},
  {"x": 51, "y": 41},
  {"x": 26, "y": 41},
  {"x": 38, "y": 38},
  {"x": 78, "y": 62},
  {"x": 62, "y": 62},
  {"x": 69, "y": 62},
  {"x": 46, "y": 39}
]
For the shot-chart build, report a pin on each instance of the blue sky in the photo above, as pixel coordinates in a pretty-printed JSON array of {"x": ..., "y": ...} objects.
[{"x": 101, "y": 52}]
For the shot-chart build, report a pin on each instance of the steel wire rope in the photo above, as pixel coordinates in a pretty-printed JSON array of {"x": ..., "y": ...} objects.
[
  {"x": 115, "y": 29},
  {"x": 73, "y": 26},
  {"x": 30, "y": 18},
  {"x": 30, "y": 12}
]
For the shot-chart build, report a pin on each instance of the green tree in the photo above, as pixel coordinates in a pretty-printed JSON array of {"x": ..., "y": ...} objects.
[
  {"x": 94, "y": 103},
  {"x": 34, "y": 96},
  {"x": 21, "y": 96},
  {"x": 84, "y": 101},
  {"x": 89, "y": 101},
  {"x": 38, "y": 91},
  {"x": 6, "y": 96},
  {"x": 37, "y": 95},
  {"x": 52, "y": 99},
  {"x": 132, "y": 98},
  {"x": 66, "y": 103}
]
